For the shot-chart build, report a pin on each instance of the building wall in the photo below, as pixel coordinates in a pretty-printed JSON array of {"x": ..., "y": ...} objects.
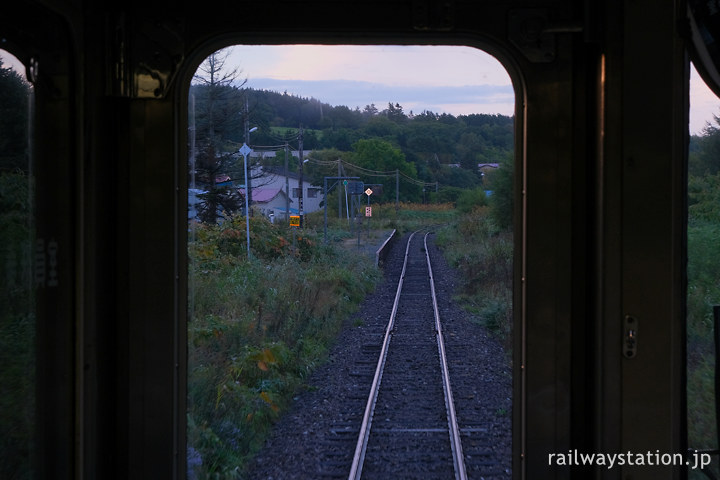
[{"x": 310, "y": 204}]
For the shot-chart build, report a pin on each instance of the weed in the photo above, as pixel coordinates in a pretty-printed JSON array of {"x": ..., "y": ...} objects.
[
  {"x": 483, "y": 255},
  {"x": 257, "y": 328}
]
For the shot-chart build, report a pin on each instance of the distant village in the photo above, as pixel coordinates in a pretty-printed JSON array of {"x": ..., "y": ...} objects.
[{"x": 275, "y": 191}]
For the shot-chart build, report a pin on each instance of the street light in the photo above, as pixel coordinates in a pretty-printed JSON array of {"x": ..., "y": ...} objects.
[{"x": 248, "y": 181}]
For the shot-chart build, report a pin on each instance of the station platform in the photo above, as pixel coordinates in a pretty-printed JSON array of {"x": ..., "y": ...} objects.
[{"x": 374, "y": 243}]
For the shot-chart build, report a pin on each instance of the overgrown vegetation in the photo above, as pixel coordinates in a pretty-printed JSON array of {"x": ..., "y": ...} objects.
[
  {"x": 405, "y": 217},
  {"x": 480, "y": 245},
  {"x": 703, "y": 287},
  {"x": 483, "y": 254},
  {"x": 17, "y": 329},
  {"x": 258, "y": 327}
]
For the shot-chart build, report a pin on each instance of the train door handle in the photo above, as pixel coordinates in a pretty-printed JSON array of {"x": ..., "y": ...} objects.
[{"x": 629, "y": 346}]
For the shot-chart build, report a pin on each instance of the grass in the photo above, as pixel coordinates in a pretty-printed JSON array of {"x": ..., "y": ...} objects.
[
  {"x": 17, "y": 328},
  {"x": 483, "y": 254},
  {"x": 258, "y": 327},
  {"x": 405, "y": 217},
  {"x": 703, "y": 293}
]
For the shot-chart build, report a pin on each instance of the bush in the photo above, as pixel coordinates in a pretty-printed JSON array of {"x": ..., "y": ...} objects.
[
  {"x": 483, "y": 255},
  {"x": 471, "y": 199},
  {"x": 448, "y": 194},
  {"x": 502, "y": 199},
  {"x": 257, "y": 328},
  {"x": 703, "y": 292},
  {"x": 17, "y": 328}
]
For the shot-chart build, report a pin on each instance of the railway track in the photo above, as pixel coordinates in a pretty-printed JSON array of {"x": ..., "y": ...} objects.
[
  {"x": 415, "y": 429},
  {"x": 383, "y": 409}
]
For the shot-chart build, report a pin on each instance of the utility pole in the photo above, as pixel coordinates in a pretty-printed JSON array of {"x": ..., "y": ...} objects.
[
  {"x": 326, "y": 192},
  {"x": 300, "y": 182},
  {"x": 192, "y": 142},
  {"x": 339, "y": 196},
  {"x": 397, "y": 190},
  {"x": 287, "y": 185}
]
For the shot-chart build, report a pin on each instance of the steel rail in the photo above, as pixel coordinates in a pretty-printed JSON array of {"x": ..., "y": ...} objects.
[
  {"x": 361, "y": 447},
  {"x": 454, "y": 430}
]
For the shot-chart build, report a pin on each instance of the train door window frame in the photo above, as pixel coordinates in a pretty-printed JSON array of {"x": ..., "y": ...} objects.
[{"x": 518, "y": 163}]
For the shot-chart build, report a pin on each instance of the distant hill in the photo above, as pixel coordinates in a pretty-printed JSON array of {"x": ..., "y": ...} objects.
[
  {"x": 489, "y": 135},
  {"x": 444, "y": 148}
]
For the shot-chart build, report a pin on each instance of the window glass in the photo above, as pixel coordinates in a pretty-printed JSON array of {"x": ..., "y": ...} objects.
[
  {"x": 17, "y": 311},
  {"x": 703, "y": 246},
  {"x": 274, "y": 270}
]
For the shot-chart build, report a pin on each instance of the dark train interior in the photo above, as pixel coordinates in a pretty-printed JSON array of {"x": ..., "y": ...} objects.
[{"x": 601, "y": 153}]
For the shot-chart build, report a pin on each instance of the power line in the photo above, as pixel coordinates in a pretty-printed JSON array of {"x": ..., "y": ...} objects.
[
  {"x": 377, "y": 173},
  {"x": 373, "y": 173},
  {"x": 285, "y": 138},
  {"x": 270, "y": 147}
]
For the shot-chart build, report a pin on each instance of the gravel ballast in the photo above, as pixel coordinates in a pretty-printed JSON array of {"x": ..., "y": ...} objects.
[{"x": 316, "y": 436}]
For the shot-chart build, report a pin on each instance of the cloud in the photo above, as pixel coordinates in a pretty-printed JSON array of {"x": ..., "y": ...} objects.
[
  {"x": 389, "y": 65},
  {"x": 703, "y": 103},
  {"x": 357, "y": 75},
  {"x": 10, "y": 61}
]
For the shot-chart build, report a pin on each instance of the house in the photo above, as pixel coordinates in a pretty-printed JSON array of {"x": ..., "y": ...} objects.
[
  {"x": 269, "y": 184},
  {"x": 271, "y": 202},
  {"x": 276, "y": 178},
  {"x": 193, "y": 201},
  {"x": 488, "y": 167},
  {"x": 262, "y": 154},
  {"x": 484, "y": 169}
]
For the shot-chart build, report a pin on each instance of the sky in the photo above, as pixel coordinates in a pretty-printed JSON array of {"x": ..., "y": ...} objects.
[
  {"x": 441, "y": 79},
  {"x": 704, "y": 104},
  {"x": 456, "y": 80}
]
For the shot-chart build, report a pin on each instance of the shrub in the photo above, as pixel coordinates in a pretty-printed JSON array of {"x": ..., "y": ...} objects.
[
  {"x": 257, "y": 327},
  {"x": 471, "y": 199},
  {"x": 502, "y": 199},
  {"x": 483, "y": 255},
  {"x": 17, "y": 328}
]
